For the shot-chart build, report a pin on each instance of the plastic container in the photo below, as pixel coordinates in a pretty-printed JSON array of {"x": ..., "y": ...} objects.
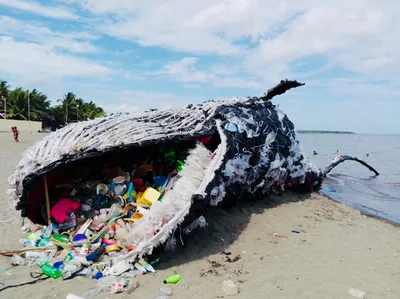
[
  {"x": 149, "y": 196},
  {"x": 51, "y": 271},
  {"x": 120, "y": 268},
  {"x": 229, "y": 288}
]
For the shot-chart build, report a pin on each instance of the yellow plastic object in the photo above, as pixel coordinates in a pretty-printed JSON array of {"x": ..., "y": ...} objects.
[
  {"x": 134, "y": 217},
  {"x": 149, "y": 196},
  {"x": 110, "y": 248}
]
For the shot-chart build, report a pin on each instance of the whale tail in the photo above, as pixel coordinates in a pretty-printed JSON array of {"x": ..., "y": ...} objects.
[{"x": 335, "y": 162}]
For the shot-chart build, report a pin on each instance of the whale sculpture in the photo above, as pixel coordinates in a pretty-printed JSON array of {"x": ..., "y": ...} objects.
[{"x": 233, "y": 151}]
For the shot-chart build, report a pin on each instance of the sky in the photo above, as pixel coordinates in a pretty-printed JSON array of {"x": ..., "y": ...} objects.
[{"x": 128, "y": 55}]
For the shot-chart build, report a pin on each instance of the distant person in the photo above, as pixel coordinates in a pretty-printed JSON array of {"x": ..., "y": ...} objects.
[
  {"x": 367, "y": 155},
  {"x": 337, "y": 152},
  {"x": 315, "y": 153},
  {"x": 16, "y": 133}
]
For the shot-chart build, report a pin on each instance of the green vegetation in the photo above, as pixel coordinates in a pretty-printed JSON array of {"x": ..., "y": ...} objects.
[{"x": 70, "y": 108}]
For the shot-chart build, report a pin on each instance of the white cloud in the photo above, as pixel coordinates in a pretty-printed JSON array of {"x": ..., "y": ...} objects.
[
  {"x": 187, "y": 70},
  {"x": 40, "y": 9},
  {"x": 184, "y": 70},
  {"x": 75, "y": 42},
  {"x": 342, "y": 31},
  {"x": 24, "y": 59},
  {"x": 364, "y": 32}
]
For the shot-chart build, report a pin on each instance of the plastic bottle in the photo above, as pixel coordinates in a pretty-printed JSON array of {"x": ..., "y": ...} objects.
[
  {"x": 95, "y": 255},
  {"x": 147, "y": 266},
  {"x": 48, "y": 231},
  {"x": 51, "y": 271},
  {"x": 43, "y": 260},
  {"x": 173, "y": 279},
  {"x": 33, "y": 255},
  {"x": 60, "y": 238},
  {"x": 115, "y": 210},
  {"x": 131, "y": 287},
  {"x": 140, "y": 268}
]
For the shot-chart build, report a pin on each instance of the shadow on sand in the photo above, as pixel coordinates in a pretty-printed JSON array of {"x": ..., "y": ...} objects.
[{"x": 224, "y": 227}]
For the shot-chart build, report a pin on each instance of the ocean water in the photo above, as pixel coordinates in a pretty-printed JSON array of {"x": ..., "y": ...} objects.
[{"x": 352, "y": 183}]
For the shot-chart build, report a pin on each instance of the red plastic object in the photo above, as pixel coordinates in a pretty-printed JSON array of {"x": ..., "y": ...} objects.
[
  {"x": 137, "y": 183},
  {"x": 60, "y": 210}
]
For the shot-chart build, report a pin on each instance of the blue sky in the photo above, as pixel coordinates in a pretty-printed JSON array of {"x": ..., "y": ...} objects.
[{"x": 134, "y": 55}]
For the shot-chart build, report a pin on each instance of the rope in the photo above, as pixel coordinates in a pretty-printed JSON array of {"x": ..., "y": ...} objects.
[{"x": 38, "y": 278}]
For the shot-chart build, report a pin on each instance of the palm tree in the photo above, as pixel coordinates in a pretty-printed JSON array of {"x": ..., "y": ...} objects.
[
  {"x": 67, "y": 102},
  {"x": 4, "y": 90},
  {"x": 18, "y": 104},
  {"x": 93, "y": 111},
  {"x": 39, "y": 105}
]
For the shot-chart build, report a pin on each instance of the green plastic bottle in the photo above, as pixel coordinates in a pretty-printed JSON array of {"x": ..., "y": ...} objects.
[
  {"x": 49, "y": 270},
  {"x": 173, "y": 279},
  {"x": 60, "y": 238}
]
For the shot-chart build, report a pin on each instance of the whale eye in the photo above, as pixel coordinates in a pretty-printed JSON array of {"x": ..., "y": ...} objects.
[{"x": 230, "y": 127}]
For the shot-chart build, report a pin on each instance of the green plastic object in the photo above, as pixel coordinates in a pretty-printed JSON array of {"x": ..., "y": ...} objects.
[
  {"x": 60, "y": 238},
  {"x": 173, "y": 279},
  {"x": 49, "y": 270},
  {"x": 179, "y": 165}
]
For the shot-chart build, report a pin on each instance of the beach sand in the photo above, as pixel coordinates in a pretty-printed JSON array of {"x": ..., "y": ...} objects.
[{"x": 337, "y": 249}]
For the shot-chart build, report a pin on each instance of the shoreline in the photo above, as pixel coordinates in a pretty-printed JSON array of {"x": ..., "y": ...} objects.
[{"x": 337, "y": 248}]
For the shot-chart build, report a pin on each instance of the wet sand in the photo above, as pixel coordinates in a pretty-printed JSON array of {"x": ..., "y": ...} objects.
[{"x": 336, "y": 249}]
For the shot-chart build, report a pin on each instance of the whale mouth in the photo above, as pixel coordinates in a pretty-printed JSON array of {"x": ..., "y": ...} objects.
[{"x": 201, "y": 157}]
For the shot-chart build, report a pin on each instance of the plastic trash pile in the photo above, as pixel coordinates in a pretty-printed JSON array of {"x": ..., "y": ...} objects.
[{"x": 90, "y": 223}]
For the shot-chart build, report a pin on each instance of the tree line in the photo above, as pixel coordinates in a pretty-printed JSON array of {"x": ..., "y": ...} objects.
[{"x": 71, "y": 108}]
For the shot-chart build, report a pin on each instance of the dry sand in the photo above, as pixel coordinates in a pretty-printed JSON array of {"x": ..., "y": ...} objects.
[{"x": 337, "y": 249}]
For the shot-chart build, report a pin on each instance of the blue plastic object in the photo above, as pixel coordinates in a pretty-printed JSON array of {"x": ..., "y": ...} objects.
[{"x": 130, "y": 189}]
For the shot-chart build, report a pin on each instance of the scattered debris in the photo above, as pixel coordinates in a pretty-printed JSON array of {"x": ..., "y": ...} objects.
[
  {"x": 357, "y": 293},
  {"x": 230, "y": 288},
  {"x": 280, "y": 236}
]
